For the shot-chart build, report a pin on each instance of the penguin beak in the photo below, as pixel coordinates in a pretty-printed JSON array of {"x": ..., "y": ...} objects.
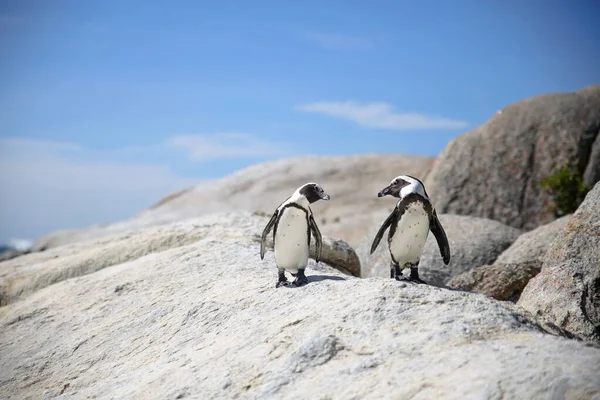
[
  {"x": 324, "y": 196},
  {"x": 384, "y": 192}
]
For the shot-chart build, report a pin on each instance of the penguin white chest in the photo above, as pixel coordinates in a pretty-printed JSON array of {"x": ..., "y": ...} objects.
[
  {"x": 291, "y": 240},
  {"x": 411, "y": 234}
]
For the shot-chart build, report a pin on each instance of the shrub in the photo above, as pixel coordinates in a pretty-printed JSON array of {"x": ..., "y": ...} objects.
[{"x": 567, "y": 188}]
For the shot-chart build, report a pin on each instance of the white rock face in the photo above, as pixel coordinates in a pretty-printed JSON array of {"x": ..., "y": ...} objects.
[
  {"x": 29, "y": 273},
  {"x": 352, "y": 182},
  {"x": 202, "y": 319}
]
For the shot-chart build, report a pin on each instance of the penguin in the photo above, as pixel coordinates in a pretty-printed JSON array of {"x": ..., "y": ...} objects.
[
  {"x": 292, "y": 224},
  {"x": 410, "y": 222}
]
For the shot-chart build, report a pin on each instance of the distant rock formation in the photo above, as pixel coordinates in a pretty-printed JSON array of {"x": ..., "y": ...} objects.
[
  {"x": 352, "y": 182},
  {"x": 495, "y": 170},
  {"x": 14, "y": 249}
]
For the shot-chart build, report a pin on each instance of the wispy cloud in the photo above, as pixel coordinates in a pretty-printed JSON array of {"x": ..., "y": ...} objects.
[
  {"x": 202, "y": 148},
  {"x": 57, "y": 185},
  {"x": 379, "y": 115},
  {"x": 20, "y": 244},
  {"x": 338, "y": 42},
  {"x": 50, "y": 185}
]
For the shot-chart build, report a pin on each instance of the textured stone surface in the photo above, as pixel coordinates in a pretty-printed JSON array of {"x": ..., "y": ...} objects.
[
  {"x": 567, "y": 290},
  {"x": 514, "y": 267},
  {"x": 26, "y": 274},
  {"x": 500, "y": 281},
  {"x": 494, "y": 171},
  {"x": 473, "y": 242},
  {"x": 352, "y": 182},
  {"x": 203, "y": 320},
  {"x": 532, "y": 246},
  {"x": 10, "y": 254}
]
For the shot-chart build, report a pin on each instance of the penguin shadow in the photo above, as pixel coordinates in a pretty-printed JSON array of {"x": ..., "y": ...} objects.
[
  {"x": 314, "y": 279},
  {"x": 319, "y": 278}
]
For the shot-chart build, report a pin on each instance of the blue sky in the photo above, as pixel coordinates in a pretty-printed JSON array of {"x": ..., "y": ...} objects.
[{"x": 107, "y": 106}]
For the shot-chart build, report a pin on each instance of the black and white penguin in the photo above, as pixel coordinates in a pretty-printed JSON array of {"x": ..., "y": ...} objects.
[
  {"x": 410, "y": 222},
  {"x": 292, "y": 224}
]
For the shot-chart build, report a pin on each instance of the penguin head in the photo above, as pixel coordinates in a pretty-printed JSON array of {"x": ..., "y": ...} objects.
[
  {"x": 402, "y": 185},
  {"x": 313, "y": 192}
]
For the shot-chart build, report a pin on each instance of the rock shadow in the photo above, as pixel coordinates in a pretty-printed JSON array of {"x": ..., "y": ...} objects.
[{"x": 318, "y": 278}]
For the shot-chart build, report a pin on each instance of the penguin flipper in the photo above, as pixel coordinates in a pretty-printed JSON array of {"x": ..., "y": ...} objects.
[
  {"x": 386, "y": 224},
  {"x": 440, "y": 236},
  {"x": 318, "y": 238},
  {"x": 263, "y": 240}
]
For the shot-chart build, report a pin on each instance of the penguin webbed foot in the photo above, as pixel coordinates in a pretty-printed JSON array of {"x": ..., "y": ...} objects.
[
  {"x": 301, "y": 279},
  {"x": 282, "y": 280},
  {"x": 396, "y": 273},
  {"x": 414, "y": 276}
]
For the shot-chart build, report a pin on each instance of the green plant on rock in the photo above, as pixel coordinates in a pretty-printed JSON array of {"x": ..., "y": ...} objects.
[{"x": 567, "y": 188}]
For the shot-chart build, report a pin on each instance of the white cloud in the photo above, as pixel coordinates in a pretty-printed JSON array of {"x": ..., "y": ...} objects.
[
  {"x": 47, "y": 186},
  {"x": 338, "y": 42},
  {"x": 379, "y": 115},
  {"x": 202, "y": 148},
  {"x": 51, "y": 185},
  {"x": 20, "y": 244}
]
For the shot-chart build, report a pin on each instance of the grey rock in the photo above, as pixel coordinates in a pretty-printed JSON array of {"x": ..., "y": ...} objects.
[
  {"x": 10, "y": 254},
  {"x": 473, "y": 242},
  {"x": 592, "y": 172},
  {"x": 500, "y": 281},
  {"x": 567, "y": 290},
  {"x": 494, "y": 171},
  {"x": 514, "y": 267},
  {"x": 352, "y": 182},
  {"x": 203, "y": 320},
  {"x": 532, "y": 246}
]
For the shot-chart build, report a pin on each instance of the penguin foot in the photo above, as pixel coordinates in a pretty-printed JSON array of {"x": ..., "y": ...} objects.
[
  {"x": 395, "y": 272},
  {"x": 282, "y": 280},
  {"x": 414, "y": 276},
  {"x": 301, "y": 279}
]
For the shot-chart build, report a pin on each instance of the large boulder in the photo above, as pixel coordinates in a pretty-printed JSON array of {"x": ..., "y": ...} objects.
[
  {"x": 514, "y": 267},
  {"x": 532, "y": 246},
  {"x": 500, "y": 281},
  {"x": 495, "y": 170},
  {"x": 567, "y": 290},
  {"x": 27, "y": 274},
  {"x": 352, "y": 182},
  {"x": 204, "y": 320},
  {"x": 473, "y": 242}
]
